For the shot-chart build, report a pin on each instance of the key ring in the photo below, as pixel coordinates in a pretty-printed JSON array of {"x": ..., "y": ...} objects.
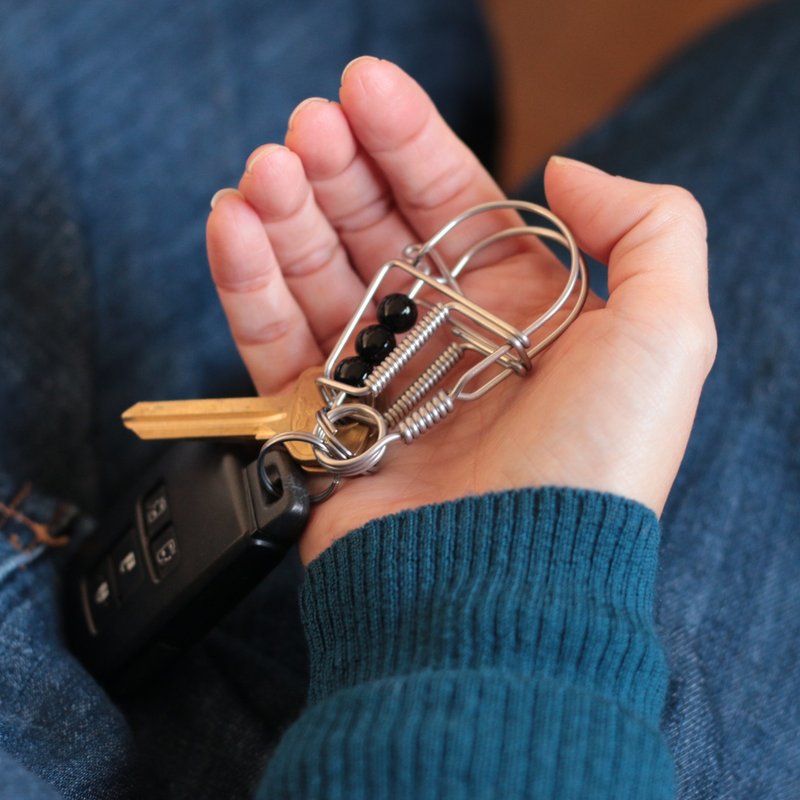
[
  {"x": 353, "y": 388},
  {"x": 318, "y": 444}
]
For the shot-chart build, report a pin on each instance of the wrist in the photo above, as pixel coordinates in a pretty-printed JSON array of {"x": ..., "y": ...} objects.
[{"x": 486, "y": 581}]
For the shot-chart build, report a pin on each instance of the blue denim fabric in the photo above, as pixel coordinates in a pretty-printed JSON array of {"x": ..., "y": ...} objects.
[
  {"x": 724, "y": 122},
  {"x": 118, "y": 124},
  {"x": 119, "y": 121}
]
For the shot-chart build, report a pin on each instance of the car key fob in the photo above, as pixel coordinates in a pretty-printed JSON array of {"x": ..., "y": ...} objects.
[{"x": 197, "y": 534}]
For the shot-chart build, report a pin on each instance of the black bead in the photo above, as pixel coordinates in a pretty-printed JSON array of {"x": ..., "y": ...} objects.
[
  {"x": 353, "y": 371},
  {"x": 374, "y": 343},
  {"x": 398, "y": 312}
]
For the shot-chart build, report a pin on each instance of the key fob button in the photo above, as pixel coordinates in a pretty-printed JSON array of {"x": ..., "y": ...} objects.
[
  {"x": 148, "y": 584},
  {"x": 155, "y": 510},
  {"x": 164, "y": 552},
  {"x": 127, "y": 564},
  {"x": 100, "y": 593}
]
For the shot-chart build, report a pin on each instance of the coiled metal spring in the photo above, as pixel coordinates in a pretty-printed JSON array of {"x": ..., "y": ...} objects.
[
  {"x": 426, "y": 416},
  {"x": 411, "y": 344},
  {"x": 411, "y": 414},
  {"x": 446, "y": 360}
]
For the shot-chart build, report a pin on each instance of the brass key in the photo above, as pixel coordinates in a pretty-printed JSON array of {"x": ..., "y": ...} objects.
[{"x": 245, "y": 417}]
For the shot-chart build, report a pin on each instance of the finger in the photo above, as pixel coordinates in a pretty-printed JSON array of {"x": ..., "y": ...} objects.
[
  {"x": 349, "y": 187},
  {"x": 653, "y": 239},
  {"x": 433, "y": 175},
  {"x": 267, "y": 324},
  {"x": 312, "y": 259}
]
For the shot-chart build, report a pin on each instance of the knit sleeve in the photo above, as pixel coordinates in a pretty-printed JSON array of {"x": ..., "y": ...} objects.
[{"x": 499, "y": 646}]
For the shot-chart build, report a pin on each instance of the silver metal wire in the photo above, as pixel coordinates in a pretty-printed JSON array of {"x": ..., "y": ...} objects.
[
  {"x": 410, "y": 345},
  {"x": 369, "y": 458},
  {"x": 333, "y": 391},
  {"x": 512, "y": 351},
  {"x": 435, "y": 373},
  {"x": 426, "y": 416},
  {"x": 329, "y": 433},
  {"x": 410, "y": 252},
  {"x": 297, "y": 436}
]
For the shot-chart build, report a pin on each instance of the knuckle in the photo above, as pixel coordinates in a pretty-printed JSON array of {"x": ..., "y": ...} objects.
[
  {"x": 445, "y": 185},
  {"x": 266, "y": 333},
  {"x": 364, "y": 215},
  {"x": 312, "y": 259},
  {"x": 677, "y": 204},
  {"x": 698, "y": 340}
]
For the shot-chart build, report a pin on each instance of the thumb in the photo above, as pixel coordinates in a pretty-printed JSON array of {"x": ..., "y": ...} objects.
[{"x": 653, "y": 239}]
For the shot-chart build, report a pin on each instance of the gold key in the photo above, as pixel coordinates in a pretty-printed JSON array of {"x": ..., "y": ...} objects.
[{"x": 245, "y": 417}]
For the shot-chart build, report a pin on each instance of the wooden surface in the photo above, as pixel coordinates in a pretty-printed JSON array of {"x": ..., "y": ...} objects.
[{"x": 567, "y": 64}]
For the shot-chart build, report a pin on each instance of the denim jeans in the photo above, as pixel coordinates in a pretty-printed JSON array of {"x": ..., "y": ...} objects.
[
  {"x": 119, "y": 123},
  {"x": 723, "y": 121}
]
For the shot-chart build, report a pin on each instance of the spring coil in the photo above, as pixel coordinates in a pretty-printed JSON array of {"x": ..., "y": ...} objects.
[
  {"x": 447, "y": 359},
  {"x": 426, "y": 416},
  {"x": 412, "y": 343}
]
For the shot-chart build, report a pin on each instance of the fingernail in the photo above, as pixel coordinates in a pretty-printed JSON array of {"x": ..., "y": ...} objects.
[
  {"x": 355, "y": 61},
  {"x": 222, "y": 192},
  {"x": 563, "y": 161},
  {"x": 261, "y": 152},
  {"x": 307, "y": 102}
]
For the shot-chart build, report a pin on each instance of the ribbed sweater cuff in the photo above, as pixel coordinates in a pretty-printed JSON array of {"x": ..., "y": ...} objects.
[
  {"x": 552, "y": 581},
  {"x": 499, "y": 646}
]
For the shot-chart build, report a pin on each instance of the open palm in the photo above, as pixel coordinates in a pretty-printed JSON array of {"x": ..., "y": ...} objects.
[{"x": 608, "y": 407}]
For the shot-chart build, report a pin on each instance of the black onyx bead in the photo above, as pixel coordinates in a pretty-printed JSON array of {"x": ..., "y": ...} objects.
[
  {"x": 374, "y": 343},
  {"x": 353, "y": 371},
  {"x": 398, "y": 312}
]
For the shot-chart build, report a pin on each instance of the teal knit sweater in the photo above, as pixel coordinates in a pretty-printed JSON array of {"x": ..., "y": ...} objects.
[{"x": 499, "y": 646}]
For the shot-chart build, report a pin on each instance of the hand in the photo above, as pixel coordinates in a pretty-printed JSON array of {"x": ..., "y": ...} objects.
[{"x": 608, "y": 407}]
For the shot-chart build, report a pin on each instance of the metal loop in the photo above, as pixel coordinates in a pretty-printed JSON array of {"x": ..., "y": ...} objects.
[
  {"x": 470, "y": 322},
  {"x": 369, "y": 458},
  {"x": 327, "y": 491},
  {"x": 329, "y": 435},
  {"x": 295, "y": 436}
]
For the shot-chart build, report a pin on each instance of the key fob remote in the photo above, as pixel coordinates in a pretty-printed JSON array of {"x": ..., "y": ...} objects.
[{"x": 195, "y": 536}]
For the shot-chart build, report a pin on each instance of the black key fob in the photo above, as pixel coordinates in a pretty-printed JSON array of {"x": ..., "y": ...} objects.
[{"x": 196, "y": 536}]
